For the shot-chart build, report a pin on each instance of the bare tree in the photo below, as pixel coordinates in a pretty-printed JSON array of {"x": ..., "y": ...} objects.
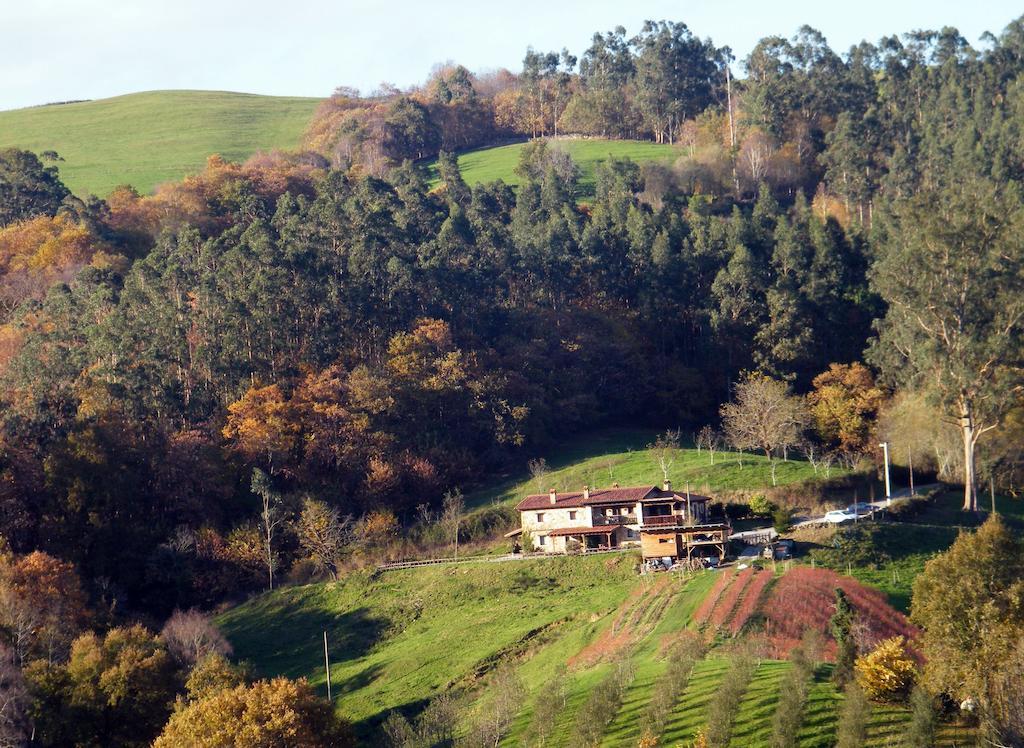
[
  {"x": 436, "y": 724},
  {"x": 324, "y": 535},
  {"x": 19, "y": 620},
  {"x": 812, "y": 453},
  {"x": 764, "y": 416},
  {"x": 708, "y": 438},
  {"x": 190, "y": 636},
  {"x": 538, "y": 469},
  {"x": 271, "y": 517},
  {"x": 664, "y": 451},
  {"x": 509, "y": 692},
  {"x": 15, "y": 725},
  {"x": 452, "y": 507}
]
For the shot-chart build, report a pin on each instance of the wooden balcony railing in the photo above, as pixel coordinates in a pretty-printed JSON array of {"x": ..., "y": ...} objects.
[
  {"x": 664, "y": 520},
  {"x": 616, "y": 519}
]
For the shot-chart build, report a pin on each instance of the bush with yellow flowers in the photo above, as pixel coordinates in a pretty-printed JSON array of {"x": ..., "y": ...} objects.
[{"x": 887, "y": 673}]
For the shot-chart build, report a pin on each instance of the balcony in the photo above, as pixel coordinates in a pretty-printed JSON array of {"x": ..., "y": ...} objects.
[
  {"x": 615, "y": 519},
  {"x": 666, "y": 520}
]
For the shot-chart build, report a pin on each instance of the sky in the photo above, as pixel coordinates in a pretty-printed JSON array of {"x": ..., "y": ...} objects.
[{"x": 58, "y": 50}]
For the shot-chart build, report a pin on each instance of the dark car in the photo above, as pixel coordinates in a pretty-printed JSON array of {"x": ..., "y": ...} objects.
[{"x": 780, "y": 550}]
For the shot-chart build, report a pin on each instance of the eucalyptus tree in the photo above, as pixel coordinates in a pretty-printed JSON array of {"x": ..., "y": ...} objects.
[{"x": 951, "y": 269}]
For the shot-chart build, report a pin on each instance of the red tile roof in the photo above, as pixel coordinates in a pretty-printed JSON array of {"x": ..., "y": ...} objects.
[{"x": 628, "y": 495}]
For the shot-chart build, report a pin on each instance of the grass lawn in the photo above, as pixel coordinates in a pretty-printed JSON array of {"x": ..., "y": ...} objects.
[
  {"x": 491, "y": 164},
  {"x": 144, "y": 139}
]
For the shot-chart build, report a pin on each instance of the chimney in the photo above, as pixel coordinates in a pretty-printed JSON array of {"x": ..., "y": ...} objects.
[
  {"x": 666, "y": 486},
  {"x": 586, "y": 493},
  {"x": 615, "y": 485},
  {"x": 553, "y": 496}
]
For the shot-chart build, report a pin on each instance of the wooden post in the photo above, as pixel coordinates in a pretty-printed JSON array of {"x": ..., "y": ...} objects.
[{"x": 327, "y": 667}]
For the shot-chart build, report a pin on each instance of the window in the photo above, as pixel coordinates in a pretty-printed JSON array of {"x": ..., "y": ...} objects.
[
  {"x": 542, "y": 540},
  {"x": 572, "y": 515},
  {"x": 664, "y": 540},
  {"x": 540, "y": 516},
  {"x": 624, "y": 511},
  {"x": 609, "y": 512}
]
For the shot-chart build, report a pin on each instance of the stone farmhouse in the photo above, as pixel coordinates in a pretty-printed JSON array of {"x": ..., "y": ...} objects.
[{"x": 663, "y": 523}]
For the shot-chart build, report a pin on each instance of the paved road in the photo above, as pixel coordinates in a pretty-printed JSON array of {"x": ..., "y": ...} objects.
[{"x": 880, "y": 504}]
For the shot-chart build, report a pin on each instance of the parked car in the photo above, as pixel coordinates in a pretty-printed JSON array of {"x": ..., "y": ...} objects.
[
  {"x": 838, "y": 516},
  {"x": 780, "y": 550},
  {"x": 860, "y": 508}
]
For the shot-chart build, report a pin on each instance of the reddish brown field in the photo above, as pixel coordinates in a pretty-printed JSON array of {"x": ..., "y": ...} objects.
[
  {"x": 804, "y": 598},
  {"x": 711, "y": 599},
  {"x": 751, "y": 600},
  {"x": 730, "y": 598}
]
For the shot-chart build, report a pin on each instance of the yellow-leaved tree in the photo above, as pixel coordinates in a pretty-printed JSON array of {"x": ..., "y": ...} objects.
[
  {"x": 888, "y": 672},
  {"x": 267, "y": 713}
]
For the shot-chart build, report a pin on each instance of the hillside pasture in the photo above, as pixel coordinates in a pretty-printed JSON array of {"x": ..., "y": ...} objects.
[
  {"x": 621, "y": 456},
  {"x": 402, "y": 637},
  {"x": 485, "y": 165},
  {"x": 144, "y": 139}
]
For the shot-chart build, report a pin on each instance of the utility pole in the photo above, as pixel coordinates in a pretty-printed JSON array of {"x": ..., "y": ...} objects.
[
  {"x": 888, "y": 492},
  {"x": 327, "y": 667}
]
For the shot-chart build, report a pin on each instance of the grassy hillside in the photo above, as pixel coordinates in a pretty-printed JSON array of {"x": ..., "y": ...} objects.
[
  {"x": 147, "y": 138},
  {"x": 399, "y": 638},
  {"x": 490, "y": 164},
  {"x": 621, "y": 456}
]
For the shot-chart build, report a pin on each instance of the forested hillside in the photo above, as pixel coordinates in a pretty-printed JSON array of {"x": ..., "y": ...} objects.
[{"x": 278, "y": 370}]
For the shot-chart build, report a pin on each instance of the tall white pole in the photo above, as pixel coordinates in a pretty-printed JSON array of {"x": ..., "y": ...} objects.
[
  {"x": 888, "y": 491},
  {"x": 327, "y": 666}
]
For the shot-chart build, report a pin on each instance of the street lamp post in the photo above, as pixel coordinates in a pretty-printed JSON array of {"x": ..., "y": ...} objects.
[{"x": 888, "y": 492}]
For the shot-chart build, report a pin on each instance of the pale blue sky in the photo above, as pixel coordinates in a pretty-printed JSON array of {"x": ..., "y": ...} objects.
[{"x": 52, "y": 50}]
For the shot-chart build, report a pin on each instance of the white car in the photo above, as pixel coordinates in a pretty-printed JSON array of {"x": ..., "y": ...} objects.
[{"x": 838, "y": 516}]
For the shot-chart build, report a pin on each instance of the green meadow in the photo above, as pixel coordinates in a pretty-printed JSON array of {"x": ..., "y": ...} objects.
[
  {"x": 144, "y": 139},
  {"x": 500, "y": 162}
]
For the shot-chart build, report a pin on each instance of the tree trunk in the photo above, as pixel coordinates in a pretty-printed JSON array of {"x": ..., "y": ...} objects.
[
  {"x": 967, "y": 432},
  {"x": 910, "y": 464}
]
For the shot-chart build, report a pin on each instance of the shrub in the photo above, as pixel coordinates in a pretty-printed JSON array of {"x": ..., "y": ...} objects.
[
  {"x": 726, "y": 701},
  {"x": 921, "y": 728},
  {"x": 274, "y": 712},
  {"x": 852, "y": 730},
  {"x": 782, "y": 518},
  {"x": 888, "y": 672},
  {"x": 841, "y": 628},
  {"x": 601, "y": 706},
  {"x": 789, "y": 709},
  {"x": 669, "y": 688},
  {"x": 190, "y": 636},
  {"x": 760, "y": 506},
  {"x": 212, "y": 674},
  {"x": 550, "y": 702}
]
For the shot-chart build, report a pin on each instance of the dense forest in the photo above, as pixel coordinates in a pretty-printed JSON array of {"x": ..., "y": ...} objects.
[{"x": 225, "y": 370}]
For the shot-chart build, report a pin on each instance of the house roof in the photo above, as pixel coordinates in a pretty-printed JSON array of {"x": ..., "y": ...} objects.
[
  {"x": 607, "y": 530},
  {"x": 598, "y": 496}
]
